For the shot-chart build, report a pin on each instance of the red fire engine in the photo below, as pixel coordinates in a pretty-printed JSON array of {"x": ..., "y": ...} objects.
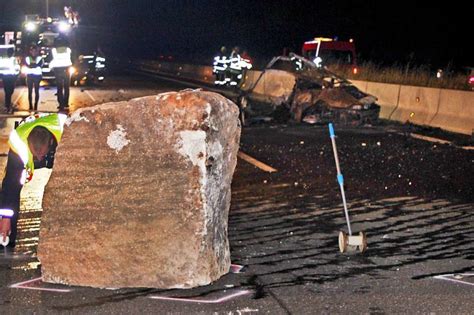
[{"x": 328, "y": 52}]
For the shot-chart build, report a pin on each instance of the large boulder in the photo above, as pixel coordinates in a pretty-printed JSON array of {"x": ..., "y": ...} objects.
[{"x": 140, "y": 193}]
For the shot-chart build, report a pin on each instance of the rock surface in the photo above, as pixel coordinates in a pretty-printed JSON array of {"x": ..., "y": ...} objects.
[{"x": 140, "y": 193}]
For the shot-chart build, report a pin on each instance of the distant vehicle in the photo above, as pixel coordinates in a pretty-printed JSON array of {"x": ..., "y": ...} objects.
[
  {"x": 328, "y": 52},
  {"x": 43, "y": 32},
  {"x": 303, "y": 92},
  {"x": 88, "y": 69}
]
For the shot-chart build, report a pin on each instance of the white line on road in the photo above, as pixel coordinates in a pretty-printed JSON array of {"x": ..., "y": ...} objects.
[
  {"x": 446, "y": 277},
  {"x": 23, "y": 285},
  {"x": 437, "y": 140},
  {"x": 236, "y": 268},
  {"x": 430, "y": 139},
  {"x": 255, "y": 162},
  {"x": 90, "y": 95},
  {"x": 216, "y": 301},
  {"x": 19, "y": 95}
]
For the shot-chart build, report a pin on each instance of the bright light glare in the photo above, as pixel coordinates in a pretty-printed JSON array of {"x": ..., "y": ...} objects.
[
  {"x": 64, "y": 27},
  {"x": 30, "y": 27}
]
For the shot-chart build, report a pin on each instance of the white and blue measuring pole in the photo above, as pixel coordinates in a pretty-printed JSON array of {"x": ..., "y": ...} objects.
[{"x": 340, "y": 178}]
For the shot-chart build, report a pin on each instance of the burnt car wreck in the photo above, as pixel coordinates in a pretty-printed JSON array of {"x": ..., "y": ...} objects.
[{"x": 294, "y": 89}]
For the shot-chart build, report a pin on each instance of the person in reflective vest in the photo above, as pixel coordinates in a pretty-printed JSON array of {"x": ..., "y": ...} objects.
[
  {"x": 221, "y": 63},
  {"x": 9, "y": 70},
  {"x": 238, "y": 67},
  {"x": 60, "y": 64},
  {"x": 34, "y": 64},
  {"x": 32, "y": 145}
]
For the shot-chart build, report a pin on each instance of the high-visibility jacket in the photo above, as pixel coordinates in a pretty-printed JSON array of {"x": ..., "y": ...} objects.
[
  {"x": 18, "y": 140},
  {"x": 9, "y": 66},
  {"x": 34, "y": 65},
  {"x": 220, "y": 64},
  {"x": 61, "y": 57}
]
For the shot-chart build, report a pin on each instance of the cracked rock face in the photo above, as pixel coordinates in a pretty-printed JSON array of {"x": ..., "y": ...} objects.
[{"x": 140, "y": 193}]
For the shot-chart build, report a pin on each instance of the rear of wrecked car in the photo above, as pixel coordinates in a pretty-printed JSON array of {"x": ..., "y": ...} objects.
[
  {"x": 310, "y": 94},
  {"x": 345, "y": 104}
]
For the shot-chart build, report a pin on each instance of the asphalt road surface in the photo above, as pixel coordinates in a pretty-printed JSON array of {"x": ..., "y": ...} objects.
[{"x": 411, "y": 194}]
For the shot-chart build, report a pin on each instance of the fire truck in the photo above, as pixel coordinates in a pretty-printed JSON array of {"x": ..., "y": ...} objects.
[{"x": 327, "y": 52}]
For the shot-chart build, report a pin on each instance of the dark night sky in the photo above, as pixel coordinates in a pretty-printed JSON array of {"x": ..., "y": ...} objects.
[{"x": 384, "y": 31}]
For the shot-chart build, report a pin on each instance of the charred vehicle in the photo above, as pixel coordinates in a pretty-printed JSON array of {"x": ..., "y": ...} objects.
[{"x": 294, "y": 88}]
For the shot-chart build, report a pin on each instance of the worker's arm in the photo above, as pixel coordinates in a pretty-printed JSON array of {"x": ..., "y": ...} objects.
[
  {"x": 41, "y": 62},
  {"x": 11, "y": 188}
]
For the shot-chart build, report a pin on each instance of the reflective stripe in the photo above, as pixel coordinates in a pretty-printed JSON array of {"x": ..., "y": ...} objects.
[
  {"x": 6, "y": 213},
  {"x": 62, "y": 120},
  {"x": 219, "y": 68},
  {"x": 18, "y": 140},
  {"x": 36, "y": 70},
  {"x": 25, "y": 176},
  {"x": 19, "y": 146},
  {"x": 61, "y": 60},
  {"x": 9, "y": 66}
]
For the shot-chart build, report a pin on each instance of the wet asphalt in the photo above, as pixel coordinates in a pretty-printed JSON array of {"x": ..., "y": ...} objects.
[{"x": 413, "y": 198}]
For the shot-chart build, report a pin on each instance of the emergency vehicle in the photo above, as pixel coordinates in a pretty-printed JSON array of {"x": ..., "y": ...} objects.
[
  {"x": 324, "y": 51},
  {"x": 43, "y": 32}
]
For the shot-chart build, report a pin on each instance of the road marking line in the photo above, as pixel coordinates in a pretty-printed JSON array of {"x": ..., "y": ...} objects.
[
  {"x": 210, "y": 301},
  {"x": 90, "y": 95},
  {"x": 437, "y": 140},
  {"x": 255, "y": 162},
  {"x": 23, "y": 285},
  {"x": 445, "y": 277},
  {"x": 430, "y": 139},
  {"x": 19, "y": 95},
  {"x": 236, "y": 268}
]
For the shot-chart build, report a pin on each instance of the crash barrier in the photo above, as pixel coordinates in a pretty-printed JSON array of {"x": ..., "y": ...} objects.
[
  {"x": 275, "y": 85},
  {"x": 191, "y": 72},
  {"x": 451, "y": 110}
]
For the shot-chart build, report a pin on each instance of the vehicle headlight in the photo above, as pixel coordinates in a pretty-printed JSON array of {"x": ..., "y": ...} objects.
[
  {"x": 357, "y": 107},
  {"x": 64, "y": 27},
  {"x": 30, "y": 27}
]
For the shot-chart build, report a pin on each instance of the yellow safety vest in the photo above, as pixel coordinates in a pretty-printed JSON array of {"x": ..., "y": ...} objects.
[{"x": 18, "y": 140}]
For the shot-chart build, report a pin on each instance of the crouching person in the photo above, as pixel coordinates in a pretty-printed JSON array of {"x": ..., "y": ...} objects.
[{"x": 32, "y": 145}]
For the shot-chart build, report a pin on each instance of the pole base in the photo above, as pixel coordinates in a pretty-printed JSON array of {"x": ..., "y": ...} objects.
[{"x": 347, "y": 242}]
